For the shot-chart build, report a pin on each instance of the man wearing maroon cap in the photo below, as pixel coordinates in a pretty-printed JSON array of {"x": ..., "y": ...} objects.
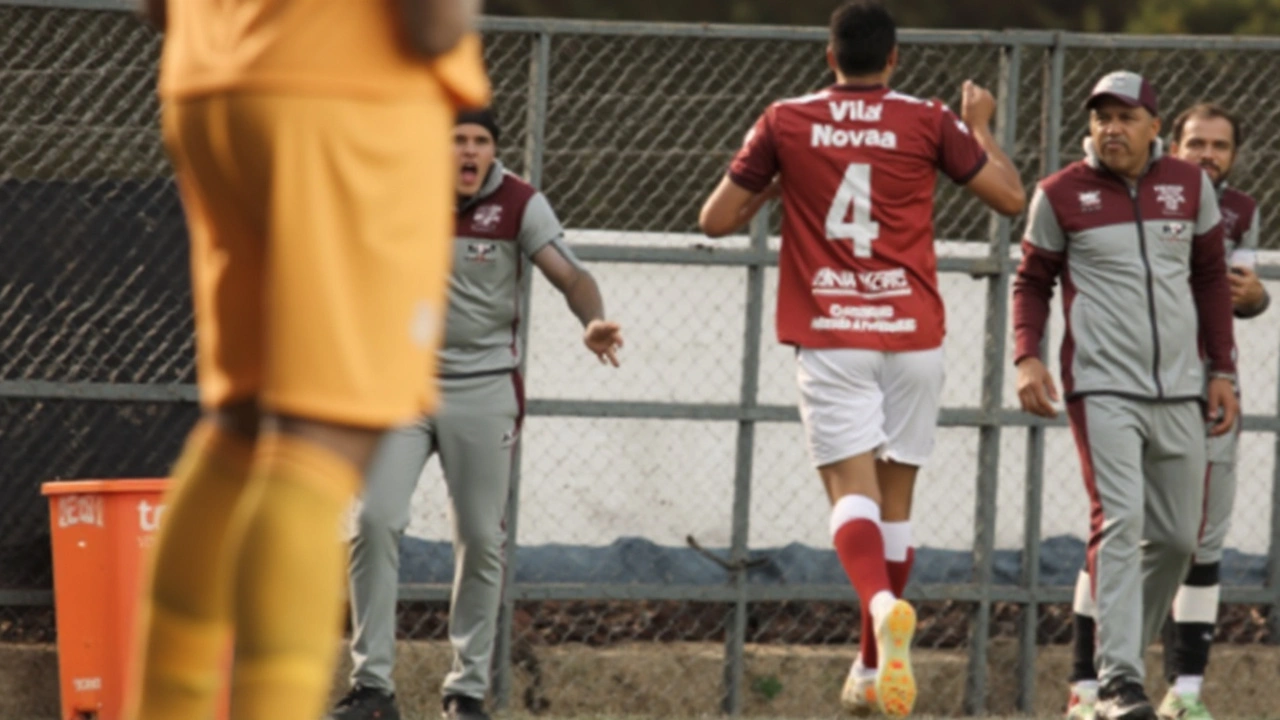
[
  {"x": 1210, "y": 136},
  {"x": 1137, "y": 240}
]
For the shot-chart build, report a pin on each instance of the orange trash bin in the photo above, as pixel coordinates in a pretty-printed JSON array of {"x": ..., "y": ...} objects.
[{"x": 102, "y": 532}]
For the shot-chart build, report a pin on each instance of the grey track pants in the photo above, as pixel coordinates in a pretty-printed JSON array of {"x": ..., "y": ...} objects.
[
  {"x": 1220, "y": 496},
  {"x": 474, "y": 433},
  {"x": 1144, "y": 470}
]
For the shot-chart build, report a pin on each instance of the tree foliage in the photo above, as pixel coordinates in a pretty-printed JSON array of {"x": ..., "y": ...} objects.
[
  {"x": 1252, "y": 17},
  {"x": 1219, "y": 17},
  {"x": 1093, "y": 15}
]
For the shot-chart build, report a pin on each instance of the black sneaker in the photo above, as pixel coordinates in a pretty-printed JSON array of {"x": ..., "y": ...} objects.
[
  {"x": 1124, "y": 700},
  {"x": 461, "y": 707},
  {"x": 365, "y": 703}
]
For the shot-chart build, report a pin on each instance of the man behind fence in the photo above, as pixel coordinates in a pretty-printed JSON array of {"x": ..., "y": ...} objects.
[
  {"x": 856, "y": 166},
  {"x": 502, "y": 224},
  {"x": 1136, "y": 237},
  {"x": 310, "y": 145},
  {"x": 1209, "y": 136}
]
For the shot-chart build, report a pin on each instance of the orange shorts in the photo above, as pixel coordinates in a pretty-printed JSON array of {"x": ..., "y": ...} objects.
[{"x": 320, "y": 250}]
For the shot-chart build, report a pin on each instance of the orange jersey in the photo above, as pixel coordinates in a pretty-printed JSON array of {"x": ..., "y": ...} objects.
[{"x": 334, "y": 47}]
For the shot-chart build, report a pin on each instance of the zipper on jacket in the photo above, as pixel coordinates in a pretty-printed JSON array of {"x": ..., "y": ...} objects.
[{"x": 1151, "y": 289}]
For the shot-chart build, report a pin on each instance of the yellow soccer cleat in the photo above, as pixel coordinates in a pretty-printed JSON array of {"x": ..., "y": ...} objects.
[{"x": 895, "y": 685}]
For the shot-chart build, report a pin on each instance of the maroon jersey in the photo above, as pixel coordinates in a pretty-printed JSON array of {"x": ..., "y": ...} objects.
[{"x": 858, "y": 166}]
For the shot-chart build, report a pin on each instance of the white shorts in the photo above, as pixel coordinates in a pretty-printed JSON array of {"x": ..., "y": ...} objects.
[{"x": 858, "y": 401}]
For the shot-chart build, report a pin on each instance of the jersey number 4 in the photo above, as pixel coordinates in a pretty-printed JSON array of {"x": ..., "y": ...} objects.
[{"x": 850, "y": 215}]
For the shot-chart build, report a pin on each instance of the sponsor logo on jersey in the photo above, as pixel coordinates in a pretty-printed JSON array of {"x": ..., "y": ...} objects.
[
  {"x": 1175, "y": 231},
  {"x": 855, "y": 111},
  {"x": 481, "y": 252},
  {"x": 1171, "y": 196},
  {"x": 864, "y": 312},
  {"x": 486, "y": 218},
  {"x": 870, "y": 284},
  {"x": 1229, "y": 219},
  {"x": 831, "y": 136},
  {"x": 863, "y": 318},
  {"x": 1091, "y": 201}
]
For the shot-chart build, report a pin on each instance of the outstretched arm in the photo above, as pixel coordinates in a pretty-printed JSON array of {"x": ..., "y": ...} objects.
[{"x": 582, "y": 294}]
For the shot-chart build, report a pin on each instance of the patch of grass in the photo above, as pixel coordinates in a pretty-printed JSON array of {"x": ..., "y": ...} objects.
[{"x": 768, "y": 686}]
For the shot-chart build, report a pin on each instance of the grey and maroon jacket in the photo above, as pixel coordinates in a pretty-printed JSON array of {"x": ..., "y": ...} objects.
[{"x": 1143, "y": 271}]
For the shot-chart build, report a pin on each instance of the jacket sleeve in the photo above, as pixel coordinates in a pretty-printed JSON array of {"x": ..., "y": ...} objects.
[
  {"x": 1209, "y": 286},
  {"x": 1043, "y": 253},
  {"x": 1249, "y": 241}
]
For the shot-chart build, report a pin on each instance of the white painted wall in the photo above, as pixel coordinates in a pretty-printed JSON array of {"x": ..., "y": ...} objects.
[{"x": 590, "y": 481}]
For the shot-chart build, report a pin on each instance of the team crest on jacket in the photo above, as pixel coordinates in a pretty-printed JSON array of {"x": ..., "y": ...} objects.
[
  {"x": 1229, "y": 220},
  {"x": 481, "y": 252},
  {"x": 1175, "y": 231},
  {"x": 486, "y": 218},
  {"x": 1171, "y": 196},
  {"x": 1090, "y": 201}
]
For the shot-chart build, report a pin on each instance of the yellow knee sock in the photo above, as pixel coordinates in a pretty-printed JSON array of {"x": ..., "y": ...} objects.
[
  {"x": 186, "y": 614},
  {"x": 290, "y": 581}
]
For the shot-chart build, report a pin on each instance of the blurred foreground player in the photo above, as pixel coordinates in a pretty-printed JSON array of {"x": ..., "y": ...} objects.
[
  {"x": 311, "y": 143},
  {"x": 855, "y": 165}
]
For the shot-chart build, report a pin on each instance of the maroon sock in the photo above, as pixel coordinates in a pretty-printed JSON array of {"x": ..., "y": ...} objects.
[
  {"x": 860, "y": 548},
  {"x": 867, "y": 641}
]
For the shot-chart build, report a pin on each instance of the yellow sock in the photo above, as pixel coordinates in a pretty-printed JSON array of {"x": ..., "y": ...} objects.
[
  {"x": 186, "y": 614},
  {"x": 290, "y": 581}
]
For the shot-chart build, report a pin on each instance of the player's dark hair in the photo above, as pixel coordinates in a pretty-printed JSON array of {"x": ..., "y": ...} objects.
[
  {"x": 485, "y": 118},
  {"x": 1208, "y": 110},
  {"x": 862, "y": 37}
]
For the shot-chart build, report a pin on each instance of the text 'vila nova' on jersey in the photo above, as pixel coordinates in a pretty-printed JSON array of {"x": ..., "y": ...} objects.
[{"x": 827, "y": 135}]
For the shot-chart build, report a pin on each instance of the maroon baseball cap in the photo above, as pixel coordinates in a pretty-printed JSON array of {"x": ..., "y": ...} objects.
[{"x": 1129, "y": 88}]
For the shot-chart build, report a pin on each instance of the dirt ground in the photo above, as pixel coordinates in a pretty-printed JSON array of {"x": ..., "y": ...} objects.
[{"x": 682, "y": 680}]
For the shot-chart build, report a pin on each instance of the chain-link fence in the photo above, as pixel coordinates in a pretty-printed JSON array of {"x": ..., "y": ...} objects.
[{"x": 613, "y": 605}]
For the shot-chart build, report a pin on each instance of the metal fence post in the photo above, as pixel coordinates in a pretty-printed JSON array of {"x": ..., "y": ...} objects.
[
  {"x": 1033, "y": 507},
  {"x": 539, "y": 79},
  {"x": 736, "y": 632},
  {"x": 1273, "y": 548},
  {"x": 988, "y": 481}
]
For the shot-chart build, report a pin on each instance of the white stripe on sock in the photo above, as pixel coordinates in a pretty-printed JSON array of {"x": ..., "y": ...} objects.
[
  {"x": 897, "y": 540},
  {"x": 853, "y": 507},
  {"x": 1196, "y": 604},
  {"x": 1188, "y": 685},
  {"x": 1084, "y": 603},
  {"x": 880, "y": 606}
]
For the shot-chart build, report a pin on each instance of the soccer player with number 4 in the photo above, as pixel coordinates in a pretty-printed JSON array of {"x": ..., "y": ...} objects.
[{"x": 856, "y": 165}]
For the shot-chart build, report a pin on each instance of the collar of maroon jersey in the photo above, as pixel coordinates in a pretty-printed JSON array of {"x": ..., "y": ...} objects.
[{"x": 851, "y": 87}]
